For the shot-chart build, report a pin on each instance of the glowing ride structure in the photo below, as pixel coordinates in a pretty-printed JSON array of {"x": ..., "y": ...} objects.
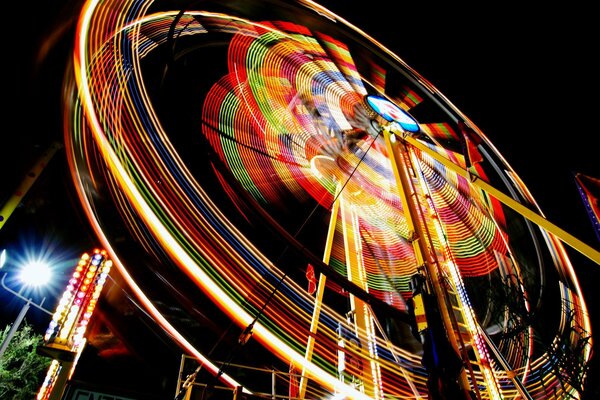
[
  {"x": 65, "y": 337},
  {"x": 242, "y": 144}
]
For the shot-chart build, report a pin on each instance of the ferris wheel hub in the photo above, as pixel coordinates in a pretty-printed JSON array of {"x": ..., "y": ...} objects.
[{"x": 391, "y": 114}]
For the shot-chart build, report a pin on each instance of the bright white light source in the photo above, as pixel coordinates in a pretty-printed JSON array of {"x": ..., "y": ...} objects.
[{"x": 35, "y": 273}]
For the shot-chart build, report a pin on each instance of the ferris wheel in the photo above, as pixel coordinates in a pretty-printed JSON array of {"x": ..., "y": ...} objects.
[{"x": 324, "y": 196}]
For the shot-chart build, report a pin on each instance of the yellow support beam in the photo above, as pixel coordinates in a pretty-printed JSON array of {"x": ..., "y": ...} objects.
[
  {"x": 566, "y": 237},
  {"x": 16, "y": 198},
  {"x": 426, "y": 258},
  {"x": 361, "y": 314},
  {"x": 314, "y": 324}
]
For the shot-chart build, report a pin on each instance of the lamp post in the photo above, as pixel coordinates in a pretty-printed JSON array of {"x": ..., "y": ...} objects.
[{"x": 32, "y": 274}]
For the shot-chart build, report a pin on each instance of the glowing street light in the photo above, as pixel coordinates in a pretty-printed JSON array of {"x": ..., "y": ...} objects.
[{"x": 32, "y": 274}]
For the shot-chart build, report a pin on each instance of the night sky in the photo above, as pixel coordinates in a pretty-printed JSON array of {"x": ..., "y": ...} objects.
[{"x": 526, "y": 77}]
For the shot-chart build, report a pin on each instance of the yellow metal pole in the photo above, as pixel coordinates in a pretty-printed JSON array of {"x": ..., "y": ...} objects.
[
  {"x": 26, "y": 184},
  {"x": 319, "y": 296},
  {"x": 566, "y": 237},
  {"x": 424, "y": 256},
  {"x": 361, "y": 315}
]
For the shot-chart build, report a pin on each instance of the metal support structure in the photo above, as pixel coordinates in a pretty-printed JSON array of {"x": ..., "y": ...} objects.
[
  {"x": 437, "y": 316},
  {"x": 534, "y": 217},
  {"x": 19, "y": 295},
  {"x": 15, "y": 326},
  {"x": 16, "y": 198},
  {"x": 319, "y": 295}
]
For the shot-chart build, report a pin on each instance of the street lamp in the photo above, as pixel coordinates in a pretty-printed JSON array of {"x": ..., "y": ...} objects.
[{"x": 31, "y": 274}]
